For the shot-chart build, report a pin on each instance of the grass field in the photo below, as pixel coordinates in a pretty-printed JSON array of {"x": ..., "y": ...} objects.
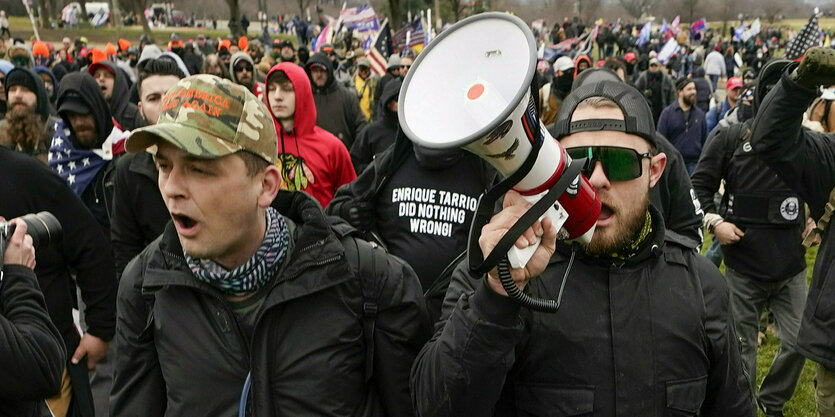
[{"x": 803, "y": 402}]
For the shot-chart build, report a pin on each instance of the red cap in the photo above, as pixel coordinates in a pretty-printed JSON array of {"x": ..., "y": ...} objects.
[
  {"x": 733, "y": 82},
  {"x": 40, "y": 49},
  {"x": 243, "y": 43},
  {"x": 630, "y": 56},
  {"x": 226, "y": 42},
  {"x": 600, "y": 63}
]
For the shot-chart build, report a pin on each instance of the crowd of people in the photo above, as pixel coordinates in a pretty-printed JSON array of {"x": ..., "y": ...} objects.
[{"x": 247, "y": 230}]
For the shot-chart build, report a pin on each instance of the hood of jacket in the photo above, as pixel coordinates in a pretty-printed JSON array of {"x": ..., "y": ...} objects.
[
  {"x": 237, "y": 57},
  {"x": 320, "y": 58},
  {"x": 87, "y": 89},
  {"x": 699, "y": 72},
  {"x": 44, "y": 70},
  {"x": 390, "y": 92},
  {"x": 120, "y": 98},
  {"x": 43, "y": 99},
  {"x": 304, "y": 119},
  {"x": 581, "y": 58}
]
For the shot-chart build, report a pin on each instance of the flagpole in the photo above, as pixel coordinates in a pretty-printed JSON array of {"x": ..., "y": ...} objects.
[{"x": 31, "y": 19}]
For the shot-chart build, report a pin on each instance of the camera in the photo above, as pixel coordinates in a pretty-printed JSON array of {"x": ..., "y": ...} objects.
[{"x": 44, "y": 228}]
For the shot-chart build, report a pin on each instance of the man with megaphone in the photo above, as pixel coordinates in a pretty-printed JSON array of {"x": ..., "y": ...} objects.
[{"x": 644, "y": 328}]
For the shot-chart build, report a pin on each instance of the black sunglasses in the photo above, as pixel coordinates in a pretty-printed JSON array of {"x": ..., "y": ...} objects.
[
  {"x": 240, "y": 68},
  {"x": 619, "y": 164}
]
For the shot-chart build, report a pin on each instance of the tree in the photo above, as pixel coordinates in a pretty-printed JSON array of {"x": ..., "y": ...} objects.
[
  {"x": 138, "y": 7},
  {"x": 396, "y": 14},
  {"x": 303, "y": 5},
  {"x": 636, "y": 8},
  {"x": 235, "y": 27}
]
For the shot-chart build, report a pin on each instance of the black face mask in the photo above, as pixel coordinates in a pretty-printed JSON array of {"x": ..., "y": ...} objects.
[
  {"x": 564, "y": 81},
  {"x": 134, "y": 61},
  {"x": 437, "y": 158}
]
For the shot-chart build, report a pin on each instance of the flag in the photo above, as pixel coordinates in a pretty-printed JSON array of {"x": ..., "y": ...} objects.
[
  {"x": 739, "y": 31},
  {"x": 360, "y": 18},
  {"x": 664, "y": 28},
  {"x": 696, "y": 27},
  {"x": 78, "y": 167},
  {"x": 668, "y": 50},
  {"x": 676, "y": 25},
  {"x": 417, "y": 37},
  {"x": 588, "y": 43},
  {"x": 380, "y": 49},
  {"x": 752, "y": 31},
  {"x": 807, "y": 37},
  {"x": 646, "y": 31}
]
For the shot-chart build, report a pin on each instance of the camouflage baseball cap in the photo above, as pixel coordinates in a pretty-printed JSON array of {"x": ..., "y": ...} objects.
[{"x": 210, "y": 117}]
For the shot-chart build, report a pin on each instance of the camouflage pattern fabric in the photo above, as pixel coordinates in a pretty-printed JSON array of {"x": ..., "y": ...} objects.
[{"x": 210, "y": 117}]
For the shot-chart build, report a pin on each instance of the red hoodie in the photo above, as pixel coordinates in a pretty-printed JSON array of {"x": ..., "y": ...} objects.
[{"x": 311, "y": 159}]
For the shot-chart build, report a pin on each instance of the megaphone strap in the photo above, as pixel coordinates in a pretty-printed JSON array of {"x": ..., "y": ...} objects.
[{"x": 484, "y": 212}]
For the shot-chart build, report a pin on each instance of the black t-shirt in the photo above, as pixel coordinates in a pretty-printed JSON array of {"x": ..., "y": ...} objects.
[{"x": 424, "y": 215}]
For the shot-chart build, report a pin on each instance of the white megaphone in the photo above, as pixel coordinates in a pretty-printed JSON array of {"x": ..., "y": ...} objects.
[{"x": 470, "y": 88}]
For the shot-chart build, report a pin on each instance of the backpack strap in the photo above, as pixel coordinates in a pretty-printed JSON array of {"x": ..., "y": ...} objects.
[
  {"x": 368, "y": 261},
  {"x": 823, "y": 221}
]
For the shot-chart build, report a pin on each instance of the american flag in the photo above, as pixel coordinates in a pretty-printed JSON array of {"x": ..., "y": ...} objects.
[
  {"x": 380, "y": 49},
  {"x": 417, "y": 36},
  {"x": 76, "y": 166},
  {"x": 808, "y": 37},
  {"x": 361, "y": 18}
]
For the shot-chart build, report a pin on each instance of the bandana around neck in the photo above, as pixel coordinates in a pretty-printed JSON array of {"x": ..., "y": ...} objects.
[{"x": 257, "y": 271}]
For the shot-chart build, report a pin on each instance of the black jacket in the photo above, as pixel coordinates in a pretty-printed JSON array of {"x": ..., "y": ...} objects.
[
  {"x": 307, "y": 354},
  {"x": 805, "y": 160},
  {"x": 139, "y": 213},
  {"x": 32, "y": 354},
  {"x": 337, "y": 108},
  {"x": 651, "y": 337},
  {"x": 377, "y": 136},
  {"x": 757, "y": 201},
  {"x": 125, "y": 112},
  {"x": 83, "y": 257}
]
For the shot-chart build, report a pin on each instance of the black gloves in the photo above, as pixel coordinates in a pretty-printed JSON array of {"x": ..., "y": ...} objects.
[
  {"x": 361, "y": 214},
  {"x": 817, "y": 68}
]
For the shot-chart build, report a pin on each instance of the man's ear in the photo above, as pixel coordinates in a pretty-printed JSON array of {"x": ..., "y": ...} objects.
[
  {"x": 656, "y": 167},
  {"x": 141, "y": 113},
  {"x": 270, "y": 184}
]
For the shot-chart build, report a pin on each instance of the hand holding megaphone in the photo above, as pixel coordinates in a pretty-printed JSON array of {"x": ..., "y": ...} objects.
[{"x": 542, "y": 236}]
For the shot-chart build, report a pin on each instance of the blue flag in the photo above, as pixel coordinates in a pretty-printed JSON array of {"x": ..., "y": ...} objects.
[{"x": 646, "y": 31}]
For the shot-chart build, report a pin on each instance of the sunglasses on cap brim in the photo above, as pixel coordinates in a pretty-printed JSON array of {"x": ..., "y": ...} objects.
[{"x": 619, "y": 164}]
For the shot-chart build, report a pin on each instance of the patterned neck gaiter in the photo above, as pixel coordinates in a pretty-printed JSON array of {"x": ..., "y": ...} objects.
[{"x": 256, "y": 272}]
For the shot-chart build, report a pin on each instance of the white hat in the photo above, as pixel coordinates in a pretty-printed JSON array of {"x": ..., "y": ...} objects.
[{"x": 563, "y": 63}]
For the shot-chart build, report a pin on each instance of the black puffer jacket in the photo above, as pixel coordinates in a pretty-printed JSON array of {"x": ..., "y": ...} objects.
[
  {"x": 32, "y": 354},
  {"x": 805, "y": 160},
  {"x": 337, "y": 108},
  {"x": 653, "y": 337},
  {"x": 188, "y": 355}
]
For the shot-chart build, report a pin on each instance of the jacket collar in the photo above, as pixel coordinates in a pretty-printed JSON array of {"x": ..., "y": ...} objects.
[{"x": 317, "y": 261}]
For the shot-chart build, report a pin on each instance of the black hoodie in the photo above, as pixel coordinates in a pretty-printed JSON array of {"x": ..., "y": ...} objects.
[
  {"x": 84, "y": 86},
  {"x": 379, "y": 135},
  {"x": 125, "y": 112},
  {"x": 338, "y": 109}
]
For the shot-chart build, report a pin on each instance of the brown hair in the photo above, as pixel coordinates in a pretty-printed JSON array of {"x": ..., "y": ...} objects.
[{"x": 254, "y": 163}]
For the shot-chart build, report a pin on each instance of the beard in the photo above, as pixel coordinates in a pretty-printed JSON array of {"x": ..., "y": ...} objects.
[
  {"x": 24, "y": 131},
  {"x": 688, "y": 100},
  {"x": 618, "y": 237}
]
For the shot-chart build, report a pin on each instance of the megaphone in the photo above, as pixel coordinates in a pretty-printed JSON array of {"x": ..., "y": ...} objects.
[{"x": 470, "y": 88}]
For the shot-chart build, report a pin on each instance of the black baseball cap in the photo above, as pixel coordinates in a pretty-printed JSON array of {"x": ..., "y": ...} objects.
[{"x": 637, "y": 116}]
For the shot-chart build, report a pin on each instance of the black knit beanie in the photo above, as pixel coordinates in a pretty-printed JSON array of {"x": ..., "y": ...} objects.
[{"x": 22, "y": 78}]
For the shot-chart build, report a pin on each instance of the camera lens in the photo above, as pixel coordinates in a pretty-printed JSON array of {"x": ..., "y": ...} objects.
[{"x": 44, "y": 228}]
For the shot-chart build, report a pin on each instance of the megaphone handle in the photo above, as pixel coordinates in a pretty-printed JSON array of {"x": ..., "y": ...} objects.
[{"x": 518, "y": 258}]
